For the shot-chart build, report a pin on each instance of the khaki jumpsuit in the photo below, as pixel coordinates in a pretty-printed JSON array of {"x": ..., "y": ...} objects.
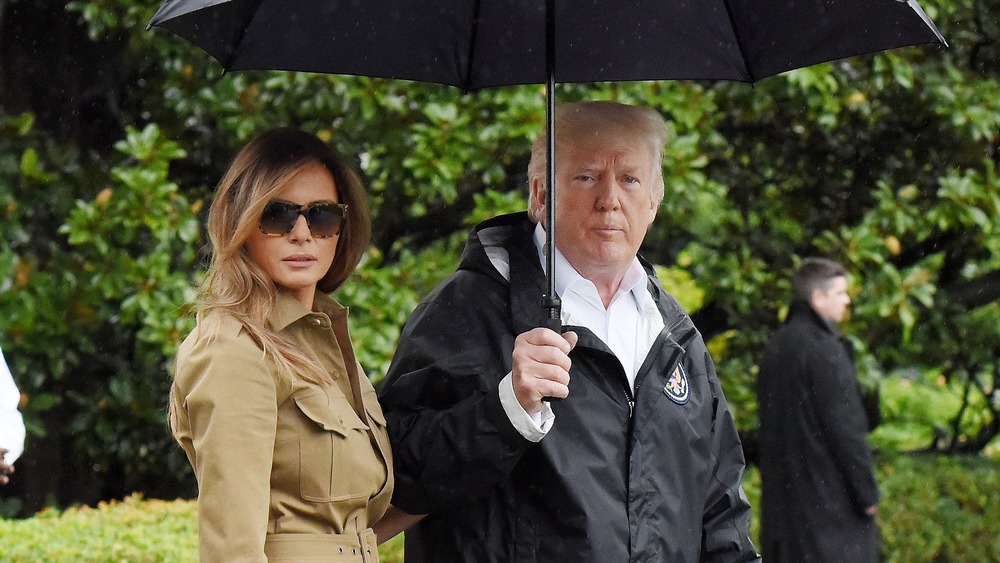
[{"x": 287, "y": 470}]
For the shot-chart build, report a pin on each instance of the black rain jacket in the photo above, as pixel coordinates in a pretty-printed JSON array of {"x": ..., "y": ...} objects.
[{"x": 657, "y": 481}]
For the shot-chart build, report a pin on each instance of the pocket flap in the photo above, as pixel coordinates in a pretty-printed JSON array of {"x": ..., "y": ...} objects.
[{"x": 329, "y": 413}]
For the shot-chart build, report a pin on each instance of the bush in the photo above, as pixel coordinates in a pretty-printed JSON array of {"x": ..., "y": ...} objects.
[
  {"x": 133, "y": 530},
  {"x": 934, "y": 508},
  {"x": 939, "y": 508}
]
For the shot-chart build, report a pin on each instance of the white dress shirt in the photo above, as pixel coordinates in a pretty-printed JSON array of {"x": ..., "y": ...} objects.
[{"x": 628, "y": 326}]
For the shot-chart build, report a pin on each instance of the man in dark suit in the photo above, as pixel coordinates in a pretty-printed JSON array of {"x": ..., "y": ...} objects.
[{"x": 819, "y": 493}]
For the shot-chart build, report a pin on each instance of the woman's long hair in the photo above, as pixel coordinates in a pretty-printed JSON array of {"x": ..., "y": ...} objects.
[{"x": 235, "y": 284}]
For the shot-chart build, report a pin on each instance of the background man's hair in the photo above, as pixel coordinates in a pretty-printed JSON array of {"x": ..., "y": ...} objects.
[{"x": 813, "y": 274}]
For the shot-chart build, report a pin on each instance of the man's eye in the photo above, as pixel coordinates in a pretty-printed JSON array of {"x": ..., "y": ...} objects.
[{"x": 631, "y": 180}]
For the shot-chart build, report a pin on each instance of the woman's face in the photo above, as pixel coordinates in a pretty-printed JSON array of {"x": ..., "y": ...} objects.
[{"x": 298, "y": 260}]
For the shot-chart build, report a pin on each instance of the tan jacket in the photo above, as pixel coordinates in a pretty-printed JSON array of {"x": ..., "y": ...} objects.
[{"x": 287, "y": 470}]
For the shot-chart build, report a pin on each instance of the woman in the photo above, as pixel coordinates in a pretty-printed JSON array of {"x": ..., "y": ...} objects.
[{"x": 279, "y": 422}]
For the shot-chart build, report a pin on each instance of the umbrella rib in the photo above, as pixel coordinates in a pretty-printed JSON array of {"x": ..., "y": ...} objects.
[
  {"x": 473, "y": 39},
  {"x": 739, "y": 43},
  {"x": 239, "y": 42},
  {"x": 927, "y": 20}
]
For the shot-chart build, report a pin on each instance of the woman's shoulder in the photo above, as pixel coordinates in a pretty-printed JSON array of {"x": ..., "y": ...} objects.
[
  {"x": 218, "y": 329},
  {"x": 217, "y": 339},
  {"x": 220, "y": 356}
]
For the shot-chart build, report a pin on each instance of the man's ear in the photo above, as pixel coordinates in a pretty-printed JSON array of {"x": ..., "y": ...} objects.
[
  {"x": 816, "y": 297},
  {"x": 536, "y": 200},
  {"x": 538, "y": 190},
  {"x": 654, "y": 202}
]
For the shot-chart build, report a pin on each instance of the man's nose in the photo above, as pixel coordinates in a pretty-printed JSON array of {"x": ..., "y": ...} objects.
[{"x": 608, "y": 192}]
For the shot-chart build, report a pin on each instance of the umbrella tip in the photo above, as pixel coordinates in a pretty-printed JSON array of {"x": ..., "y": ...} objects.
[{"x": 927, "y": 20}]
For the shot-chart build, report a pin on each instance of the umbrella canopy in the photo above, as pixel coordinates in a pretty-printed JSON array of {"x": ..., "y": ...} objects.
[{"x": 479, "y": 44}]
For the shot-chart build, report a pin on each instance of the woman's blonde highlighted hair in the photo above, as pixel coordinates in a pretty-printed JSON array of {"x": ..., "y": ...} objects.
[{"x": 235, "y": 284}]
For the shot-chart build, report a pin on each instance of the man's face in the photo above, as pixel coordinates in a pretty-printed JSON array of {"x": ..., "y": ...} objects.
[
  {"x": 604, "y": 201},
  {"x": 832, "y": 303}
]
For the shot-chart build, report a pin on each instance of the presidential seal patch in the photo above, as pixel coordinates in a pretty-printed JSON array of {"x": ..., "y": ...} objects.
[{"x": 677, "y": 386}]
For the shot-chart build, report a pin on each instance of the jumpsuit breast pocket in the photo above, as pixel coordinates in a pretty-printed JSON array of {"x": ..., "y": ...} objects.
[{"x": 331, "y": 436}]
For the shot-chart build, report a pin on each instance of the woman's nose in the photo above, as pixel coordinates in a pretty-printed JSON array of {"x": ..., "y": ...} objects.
[{"x": 300, "y": 230}]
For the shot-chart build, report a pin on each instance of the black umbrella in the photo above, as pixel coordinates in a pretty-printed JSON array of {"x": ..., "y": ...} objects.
[{"x": 479, "y": 44}]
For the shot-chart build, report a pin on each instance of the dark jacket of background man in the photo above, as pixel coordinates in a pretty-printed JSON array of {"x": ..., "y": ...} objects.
[{"x": 816, "y": 463}]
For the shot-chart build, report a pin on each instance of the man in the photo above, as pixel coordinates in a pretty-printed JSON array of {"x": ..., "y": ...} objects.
[
  {"x": 11, "y": 423},
  {"x": 641, "y": 460},
  {"x": 819, "y": 492}
]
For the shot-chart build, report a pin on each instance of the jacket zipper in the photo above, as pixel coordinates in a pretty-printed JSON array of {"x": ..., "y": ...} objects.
[{"x": 631, "y": 401}]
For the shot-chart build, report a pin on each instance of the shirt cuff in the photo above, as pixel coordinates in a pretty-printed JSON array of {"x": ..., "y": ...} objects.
[{"x": 532, "y": 427}]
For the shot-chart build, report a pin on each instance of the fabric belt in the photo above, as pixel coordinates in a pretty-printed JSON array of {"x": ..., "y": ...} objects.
[{"x": 361, "y": 547}]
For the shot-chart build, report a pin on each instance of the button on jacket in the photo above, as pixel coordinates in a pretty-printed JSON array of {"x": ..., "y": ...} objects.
[{"x": 287, "y": 470}]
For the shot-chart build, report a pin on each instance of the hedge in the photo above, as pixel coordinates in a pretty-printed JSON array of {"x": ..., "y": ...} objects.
[
  {"x": 934, "y": 509},
  {"x": 134, "y": 530}
]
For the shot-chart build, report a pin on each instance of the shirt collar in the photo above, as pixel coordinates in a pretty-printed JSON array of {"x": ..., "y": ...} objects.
[
  {"x": 633, "y": 281},
  {"x": 287, "y": 310}
]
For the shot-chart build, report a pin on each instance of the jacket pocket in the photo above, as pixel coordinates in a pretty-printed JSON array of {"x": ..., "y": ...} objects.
[{"x": 330, "y": 437}]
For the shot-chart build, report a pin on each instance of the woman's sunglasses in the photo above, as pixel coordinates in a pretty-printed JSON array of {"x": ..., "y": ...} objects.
[{"x": 325, "y": 219}]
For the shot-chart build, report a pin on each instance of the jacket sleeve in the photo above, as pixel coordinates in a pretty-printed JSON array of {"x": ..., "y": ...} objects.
[
  {"x": 230, "y": 398},
  {"x": 726, "y": 521},
  {"x": 11, "y": 421},
  {"x": 837, "y": 401},
  {"x": 451, "y": 438}
]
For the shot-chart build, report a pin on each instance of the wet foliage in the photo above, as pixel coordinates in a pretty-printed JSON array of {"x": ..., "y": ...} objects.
[{"x": 112, "y": 138}]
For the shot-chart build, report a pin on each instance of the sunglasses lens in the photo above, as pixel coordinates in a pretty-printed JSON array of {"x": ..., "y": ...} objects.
[
  {"x": 325, "y": 219},
  {"x": 278, "y": 218}
]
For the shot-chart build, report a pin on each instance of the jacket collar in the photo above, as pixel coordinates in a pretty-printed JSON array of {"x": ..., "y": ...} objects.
[
  {"x": 287, "y": 310},
  {"x": 515, "y": 233},
  {"x": 800, "y": 309}
]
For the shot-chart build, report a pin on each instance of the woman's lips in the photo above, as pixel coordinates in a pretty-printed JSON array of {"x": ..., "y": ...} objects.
[{"x": 300, "y": 259}]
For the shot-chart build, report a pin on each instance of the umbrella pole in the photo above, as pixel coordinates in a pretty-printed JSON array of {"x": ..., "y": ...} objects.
[{"x": 550, "y": 300}]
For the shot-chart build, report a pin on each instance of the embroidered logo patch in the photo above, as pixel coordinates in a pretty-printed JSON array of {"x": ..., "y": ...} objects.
[{"x": 677, "y": 386}]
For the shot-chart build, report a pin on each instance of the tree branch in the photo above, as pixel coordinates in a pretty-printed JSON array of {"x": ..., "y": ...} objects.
[{"x": 976, "y": 292}]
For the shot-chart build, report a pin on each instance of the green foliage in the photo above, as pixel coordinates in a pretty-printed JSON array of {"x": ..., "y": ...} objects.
[
  {"x": 885, "y": 162},
  {"x": 922, "y": 408},
  {"x": 939, "y": 509},
  {"x": 933, "y": 508},
  {"x": 133, "y": 530},
  {"x": 102, "y": 270},
  {"x": 682, "y": 286}
]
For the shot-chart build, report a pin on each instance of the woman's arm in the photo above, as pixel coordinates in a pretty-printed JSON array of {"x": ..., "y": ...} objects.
[{"x": 229, "y": 398}]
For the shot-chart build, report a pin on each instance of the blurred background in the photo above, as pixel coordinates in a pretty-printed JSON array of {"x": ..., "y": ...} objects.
[{"x": 112, "y": 139}]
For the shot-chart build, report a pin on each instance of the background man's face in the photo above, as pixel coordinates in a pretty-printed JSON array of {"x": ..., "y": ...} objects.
[{"x": 832, "y": 303}]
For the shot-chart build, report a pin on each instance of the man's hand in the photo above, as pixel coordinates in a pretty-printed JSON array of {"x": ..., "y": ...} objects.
[
  {"x": 541, "y": 366},
  {"x": 872, "y": 510},
  {"x": 5, "y": 469}
]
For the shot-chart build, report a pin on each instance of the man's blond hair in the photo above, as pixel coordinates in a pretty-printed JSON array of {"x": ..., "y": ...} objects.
[{"x": 580, "y": 120}]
